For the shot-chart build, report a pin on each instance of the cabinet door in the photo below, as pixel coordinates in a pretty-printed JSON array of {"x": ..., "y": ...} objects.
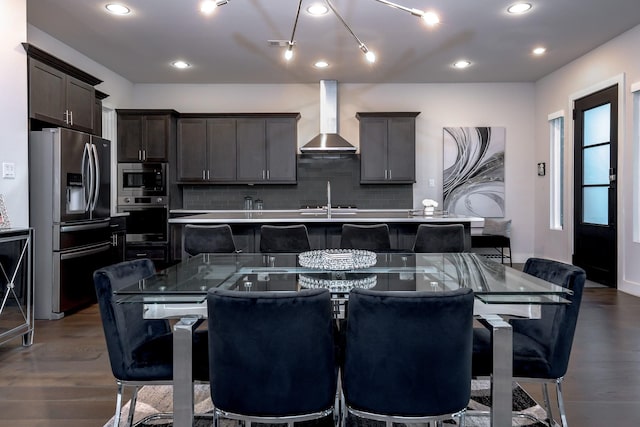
[
  {"x": 251, "y": 149},
  {"x": 401, "y": 150},
  {"x": 155, "y": 138},
  {"x": 129, "y": 138},
  {"x": 221, "y": 144},
  {"x": 373, "y": 149},
  {"x": 80, "y": 100},
  {"x": 46, "y": 93},
  {"x": 281, "y": 150},
  {"x": 192, "y": 149}
]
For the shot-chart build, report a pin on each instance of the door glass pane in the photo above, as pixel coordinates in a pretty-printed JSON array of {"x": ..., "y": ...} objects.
[
  {"x": 596, "y": 165},
  {"x": 597, "y": 125},
  {"x": 595, "y": 208}
]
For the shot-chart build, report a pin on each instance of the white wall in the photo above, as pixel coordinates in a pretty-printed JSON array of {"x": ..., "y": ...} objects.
[
  {"x": 440, "y": 105},
  {"x": 13, "y": 109},
  {"x": 615, "y": 61}
]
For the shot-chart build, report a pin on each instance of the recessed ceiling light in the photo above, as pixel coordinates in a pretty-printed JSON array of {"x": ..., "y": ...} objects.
[
  {"x": 539, "y": 50},
  {"x": 317, "y": 9},
  {"x": 519, "y": 8},
  {"x": 180, "y": 64},
  {"x": 463, "y": 63},
  {"x": 321, "y": 64},
  {"x": 118, "y": 9}
]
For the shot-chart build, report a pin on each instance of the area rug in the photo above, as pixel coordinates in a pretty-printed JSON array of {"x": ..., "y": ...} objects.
[{"x": 158, "y": 399}]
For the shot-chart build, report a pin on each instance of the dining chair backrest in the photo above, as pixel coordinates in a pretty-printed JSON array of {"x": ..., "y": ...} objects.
[
  {"x": 439, "y": 238},
  {"x": 199, "y": 239},
  {"x": 284, "y": 238},
  {"x": 271, "y": 353},
  {"x": 408, "y": 353},
  {"x": 374, "y": 237},
  {"x": 556, "y": 327},
  {"x": 125, "y": 329}
]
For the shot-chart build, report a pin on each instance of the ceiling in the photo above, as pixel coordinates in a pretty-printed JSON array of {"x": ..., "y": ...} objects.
[{"x": 231, "y": 45}]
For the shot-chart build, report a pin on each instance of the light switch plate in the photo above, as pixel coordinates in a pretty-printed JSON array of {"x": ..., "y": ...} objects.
[
  {"x": 432, "y": 182},
  {"x": 8, "y": 170}
]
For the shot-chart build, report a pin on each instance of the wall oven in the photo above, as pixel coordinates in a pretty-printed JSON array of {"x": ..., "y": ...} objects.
[
  {"x": 142, "y": 179},
  {"x": 147, "y": 219}
]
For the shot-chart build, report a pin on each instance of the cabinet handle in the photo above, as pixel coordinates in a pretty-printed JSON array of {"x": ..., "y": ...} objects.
[
  {"x": 208, "y": 174},
  {"x": 268, "y": 174},
  {"x": 66, "y": 116},
  {"x": 204, "y": 176},
  {"x": 389, "y": 173},
  {"x": 385, "y": 174},
  {"x": 144, "y": 155},
  {"x": 140, "y": 155},
  {"x": 263, "y": 174},
  {"x": 71, "y": 114}
]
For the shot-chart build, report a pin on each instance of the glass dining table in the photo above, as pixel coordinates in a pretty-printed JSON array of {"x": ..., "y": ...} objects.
[{"x": 179, "y": 292}]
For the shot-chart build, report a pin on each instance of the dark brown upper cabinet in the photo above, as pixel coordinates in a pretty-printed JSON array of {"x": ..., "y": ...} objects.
[
  {"x": 59, "y": 93},
  {"x": 387, "y": 147},
  {"x": 145, "y": 135},
  {"x": 206, "y": 150},
  {"x": 60, "y": 99},
  {"x": 237, "y": 148}
]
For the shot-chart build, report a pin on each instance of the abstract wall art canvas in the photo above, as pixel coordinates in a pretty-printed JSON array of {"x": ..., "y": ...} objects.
[{"x": 473, "y": 182}]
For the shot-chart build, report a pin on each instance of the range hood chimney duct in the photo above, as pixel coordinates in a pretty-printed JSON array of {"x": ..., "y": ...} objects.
[{"x": 328, "y": 141}]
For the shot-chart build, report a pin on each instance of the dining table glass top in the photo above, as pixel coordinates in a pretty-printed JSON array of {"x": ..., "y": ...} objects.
[{"x": 493, "y": 283}]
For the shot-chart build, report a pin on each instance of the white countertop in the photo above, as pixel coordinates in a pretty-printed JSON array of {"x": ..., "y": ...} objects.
[{"x": 313, "y": 216}]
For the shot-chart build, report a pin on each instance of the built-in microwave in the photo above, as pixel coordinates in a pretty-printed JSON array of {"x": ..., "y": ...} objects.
[{"x": 142, "y": 179}]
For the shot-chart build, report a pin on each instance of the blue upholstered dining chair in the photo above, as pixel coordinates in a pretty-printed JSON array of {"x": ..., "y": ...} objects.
[
  {"x": 541, "y": 347},
  {"x": 198, "y": 239},
  {"x": 284, "y": 238},
  {"x": 140, "y": 350},
  {"x": 408, "y": 355},
  {"x": 272, "y": 356},
  {"x": 373, "y": 237},
  {"x": 439, "y": 238}
]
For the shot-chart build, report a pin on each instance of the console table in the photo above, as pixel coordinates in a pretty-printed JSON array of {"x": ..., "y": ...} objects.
[{"x": 16, "y": 280}]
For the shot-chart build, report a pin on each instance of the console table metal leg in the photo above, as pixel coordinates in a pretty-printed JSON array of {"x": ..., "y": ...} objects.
[{"x": 182, "y": 372}]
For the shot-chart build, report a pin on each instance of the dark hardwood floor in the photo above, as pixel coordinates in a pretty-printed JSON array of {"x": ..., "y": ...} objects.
[{"x": 64, "y": 379}]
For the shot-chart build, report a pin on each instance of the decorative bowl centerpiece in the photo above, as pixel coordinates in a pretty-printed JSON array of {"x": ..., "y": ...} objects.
[{"x": 337, "y": 259}]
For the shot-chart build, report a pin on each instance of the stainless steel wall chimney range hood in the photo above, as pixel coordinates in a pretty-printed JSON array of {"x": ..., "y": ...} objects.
[{"x": 328, "y": 141}]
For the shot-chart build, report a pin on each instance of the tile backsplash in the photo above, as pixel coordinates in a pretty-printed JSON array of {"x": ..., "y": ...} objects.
[{"x": 311, "y": 189}]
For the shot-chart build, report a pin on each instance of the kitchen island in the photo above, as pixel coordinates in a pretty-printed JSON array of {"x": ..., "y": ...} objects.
[{"x": 324, "y": 226}]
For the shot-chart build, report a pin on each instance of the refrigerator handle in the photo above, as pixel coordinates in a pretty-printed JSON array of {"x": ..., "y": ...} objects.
[
  {"x": 92, "y": 177},
  {"x": 86, "y": 160},
  {"x": 96, "y": 187}
]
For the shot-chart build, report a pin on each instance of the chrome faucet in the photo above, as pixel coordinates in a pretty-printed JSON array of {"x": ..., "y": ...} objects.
[{"x": 329, "y": 199}]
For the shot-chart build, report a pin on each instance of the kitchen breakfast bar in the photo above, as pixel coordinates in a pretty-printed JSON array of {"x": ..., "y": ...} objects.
[{"x": 324, "y": 226}]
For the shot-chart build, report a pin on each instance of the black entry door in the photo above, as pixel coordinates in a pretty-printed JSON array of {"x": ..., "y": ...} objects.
[{"x": 595, "y": 154}]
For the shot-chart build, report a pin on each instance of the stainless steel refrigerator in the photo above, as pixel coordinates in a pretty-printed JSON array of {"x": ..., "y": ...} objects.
[{"x": 69, "y": 208}]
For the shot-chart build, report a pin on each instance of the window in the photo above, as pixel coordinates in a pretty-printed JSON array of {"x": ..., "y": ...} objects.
[{"x": 556, "y": 170}]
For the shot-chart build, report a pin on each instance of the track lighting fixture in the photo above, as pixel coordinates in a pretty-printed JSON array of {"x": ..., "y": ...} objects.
[{"x": 430, "y": 18}]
